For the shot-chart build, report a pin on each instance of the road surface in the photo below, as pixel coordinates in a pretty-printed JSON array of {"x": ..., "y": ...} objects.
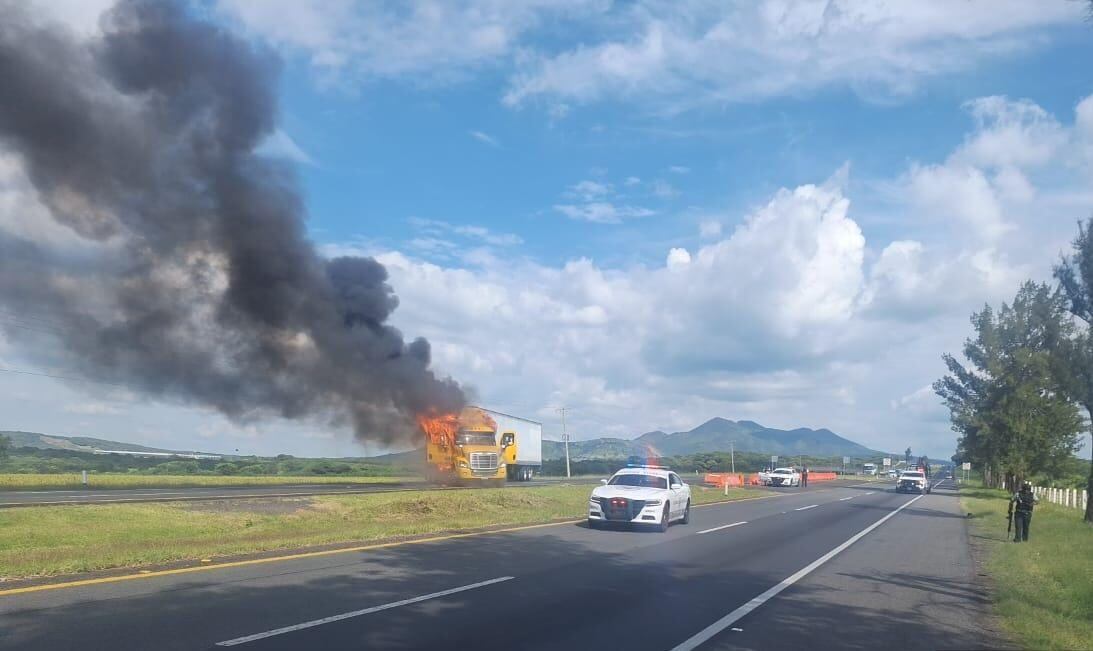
[
  {"x": 822, "y": 567},
  {"x": 14, "y": 499}
]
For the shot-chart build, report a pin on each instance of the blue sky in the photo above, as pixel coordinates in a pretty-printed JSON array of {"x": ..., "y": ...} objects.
[{"x": 655, "y": 213}]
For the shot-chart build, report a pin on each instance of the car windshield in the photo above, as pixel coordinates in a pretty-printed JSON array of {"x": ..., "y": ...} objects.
[
  {"x": 634, "y": 479},
  {"x": 474, "y": 438},
  {"x": 912, "y": 475},
  {"x": 783, "y": 471}
]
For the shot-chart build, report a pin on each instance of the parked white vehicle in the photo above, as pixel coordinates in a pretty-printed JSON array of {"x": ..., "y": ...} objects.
[
  {"x": 641, "y": 495},
  {"x": 785, "y": 477}
]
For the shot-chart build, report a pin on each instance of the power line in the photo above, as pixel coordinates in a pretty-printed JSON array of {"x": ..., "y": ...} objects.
[{"x": 61, "y": 377}]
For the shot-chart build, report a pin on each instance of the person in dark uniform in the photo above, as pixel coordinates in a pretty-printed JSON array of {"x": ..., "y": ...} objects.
[
  {"x": 1022, "y": 504},
  {"x": 804, "y": 477}
]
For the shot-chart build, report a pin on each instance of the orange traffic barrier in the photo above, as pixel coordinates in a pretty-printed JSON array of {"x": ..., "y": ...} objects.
[{"x": 822, "y": 476}]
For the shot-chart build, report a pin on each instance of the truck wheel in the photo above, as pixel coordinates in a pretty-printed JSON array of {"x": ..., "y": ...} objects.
[
  {"x": 664, "y": 518},
  {"x": 686, "y": 514}
]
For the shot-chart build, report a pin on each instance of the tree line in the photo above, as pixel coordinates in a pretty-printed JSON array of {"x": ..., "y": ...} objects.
[{"x": 1020, "y": 397}]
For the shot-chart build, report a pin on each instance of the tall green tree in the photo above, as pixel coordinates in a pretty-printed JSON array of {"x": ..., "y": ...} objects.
[
  {"x": 5, "y": 445},
  {"x": 1010, "y": 405},
  {"x": 1075, "y": 275}
]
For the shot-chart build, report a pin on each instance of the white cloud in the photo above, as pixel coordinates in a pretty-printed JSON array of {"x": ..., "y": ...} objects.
[
  {"x": 484, "y": 137},
  {"x": 280, "y": 145},
  {"x": 664, "y": 189},
  {"x": 432, "y": 41},
  {"x": 715, "y": 52},
  {"x": 958, "y": 193},
  {"x": 679, "y": 169},
  {"x": 597, "y": 203},
  {"x": 633, "y": 180},
  {"x": 590, "y": 190},
  {"x": 602, "y": 212},
  {"x": 709, "y": 228},
  {"x": 1012, "y": 134},
  {"x": 678, "y": 259}
]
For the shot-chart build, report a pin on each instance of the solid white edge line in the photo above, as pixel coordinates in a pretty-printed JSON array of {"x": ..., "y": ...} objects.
[
  {"x": 358, "y": 613},
  {"x": 843, "y": 499},
  {"x": 724, "y": 526},
  {"x": 710, "y": 631},
  {"x": 805, "y": 508}
]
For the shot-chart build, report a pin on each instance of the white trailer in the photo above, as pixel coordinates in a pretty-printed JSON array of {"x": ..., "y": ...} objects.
[{"x": 528, "y": 435}]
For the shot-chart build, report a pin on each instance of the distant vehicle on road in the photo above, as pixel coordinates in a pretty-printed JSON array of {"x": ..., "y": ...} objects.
[
  {"x": 869, "y": 468},
  {"x": 912, "y": 481},
  {"x": 643, "y": 495},
  {"x": 785, "y": 477}
]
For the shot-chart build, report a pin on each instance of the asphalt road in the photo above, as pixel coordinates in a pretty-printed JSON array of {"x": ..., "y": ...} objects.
[
  {"x": 14, "y": 499},
  {"x": 823, "y": 567}
]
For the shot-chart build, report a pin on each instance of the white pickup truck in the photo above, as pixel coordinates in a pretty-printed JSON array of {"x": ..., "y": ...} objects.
[{"x": 912, "y": 481}]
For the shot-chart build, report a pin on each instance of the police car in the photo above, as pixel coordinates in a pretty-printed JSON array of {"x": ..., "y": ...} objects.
[{"x": 643, "y": 495}]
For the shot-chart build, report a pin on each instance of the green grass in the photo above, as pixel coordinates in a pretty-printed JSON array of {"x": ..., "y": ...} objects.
[
  {"x": 1044, "y": 588},
  {"x": 12, "y": 482},
  {"x": 52, "y": 540}
]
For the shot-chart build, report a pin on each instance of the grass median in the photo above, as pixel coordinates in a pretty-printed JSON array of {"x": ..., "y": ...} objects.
[
  {"x": 1043, "y": 588},
  {"x": 53, "y": 540},
  {"x": 18, "y": 481}
]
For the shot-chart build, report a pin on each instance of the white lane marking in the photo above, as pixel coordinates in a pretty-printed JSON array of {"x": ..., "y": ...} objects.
[
  {"x": 805, "y": 508},
  {"x": 724, "y": 526},
  {"x": 358, "y": 613},
  {"x": 870, "y": 492},
  {"x": 710, "y": 631},
  {"x": 843, "y": 499}
]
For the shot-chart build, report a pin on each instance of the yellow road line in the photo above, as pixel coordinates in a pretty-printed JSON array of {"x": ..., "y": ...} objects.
[{"x": 145, "y": 574}]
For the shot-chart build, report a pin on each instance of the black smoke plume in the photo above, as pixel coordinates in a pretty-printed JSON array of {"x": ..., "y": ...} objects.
[{"x": 183, "y": 269}]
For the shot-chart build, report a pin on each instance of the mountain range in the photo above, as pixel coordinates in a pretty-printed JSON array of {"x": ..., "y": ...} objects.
[{"x": 715, "y": 435}]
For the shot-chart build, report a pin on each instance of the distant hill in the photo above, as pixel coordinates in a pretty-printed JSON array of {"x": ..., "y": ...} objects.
[
  {"x": 78, "y": 443},
  {"x": 714, "y": 436}
]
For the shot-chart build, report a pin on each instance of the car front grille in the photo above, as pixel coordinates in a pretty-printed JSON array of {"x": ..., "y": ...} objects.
[
  {"x": 620, "y": 508},
  {"x": 483, "y": 461}
]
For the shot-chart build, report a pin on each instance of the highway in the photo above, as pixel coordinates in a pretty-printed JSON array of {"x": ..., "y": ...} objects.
[
  {"x": 17, "y": 499},
  {"x": 829, "y": 566}
]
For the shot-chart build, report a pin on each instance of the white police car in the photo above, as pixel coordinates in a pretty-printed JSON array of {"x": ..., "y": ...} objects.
[{"x": 650, "y": 495}]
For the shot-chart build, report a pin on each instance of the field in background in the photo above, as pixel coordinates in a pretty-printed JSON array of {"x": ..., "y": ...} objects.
[
  {"x": 119, "y": 480},
  {"x": 1043, "y": 588},
  {"x": 66, "y": 539}
]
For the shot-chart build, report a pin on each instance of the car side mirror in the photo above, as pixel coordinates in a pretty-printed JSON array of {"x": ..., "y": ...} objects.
[{"x": 603, "y": 481}]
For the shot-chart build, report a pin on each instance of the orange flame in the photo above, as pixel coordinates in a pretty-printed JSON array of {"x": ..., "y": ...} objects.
[{"x": 441, "y": 429}]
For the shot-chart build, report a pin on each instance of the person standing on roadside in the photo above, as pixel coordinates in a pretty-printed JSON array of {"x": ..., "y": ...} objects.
[
  {"x": 804, "y": 477},
  {"x": 1021, "y": 504}
]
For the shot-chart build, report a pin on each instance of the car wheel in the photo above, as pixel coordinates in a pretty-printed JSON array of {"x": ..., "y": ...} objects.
[
  {"x": 664, "y": 518},
  {"x": 686, "y": 514}
]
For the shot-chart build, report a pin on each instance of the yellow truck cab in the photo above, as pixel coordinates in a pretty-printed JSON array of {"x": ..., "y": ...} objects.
[{"x": 465, "y": 450}]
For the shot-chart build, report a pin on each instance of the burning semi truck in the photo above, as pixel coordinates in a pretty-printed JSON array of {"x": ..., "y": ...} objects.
[{"x": 481, "y": 447}]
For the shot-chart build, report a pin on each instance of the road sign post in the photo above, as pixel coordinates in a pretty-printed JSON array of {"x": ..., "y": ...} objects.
[{"x": 773, "y": 461}]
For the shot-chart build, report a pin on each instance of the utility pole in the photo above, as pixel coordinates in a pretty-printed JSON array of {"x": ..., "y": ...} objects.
[
  {"x": 732, "y": 455},
  {"x": 565, "y": 438}
]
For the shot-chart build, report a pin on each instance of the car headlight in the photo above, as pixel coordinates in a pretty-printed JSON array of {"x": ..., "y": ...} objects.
[
  {"x": 501, "y": 466},
  {"x": 653, "y": 502},
  {"x": 462, "y": 464}
]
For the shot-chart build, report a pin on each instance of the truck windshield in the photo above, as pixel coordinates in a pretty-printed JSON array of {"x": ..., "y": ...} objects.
[
  {"x": 645, "y": 481},
  {"x": 475, "y": 438}
]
